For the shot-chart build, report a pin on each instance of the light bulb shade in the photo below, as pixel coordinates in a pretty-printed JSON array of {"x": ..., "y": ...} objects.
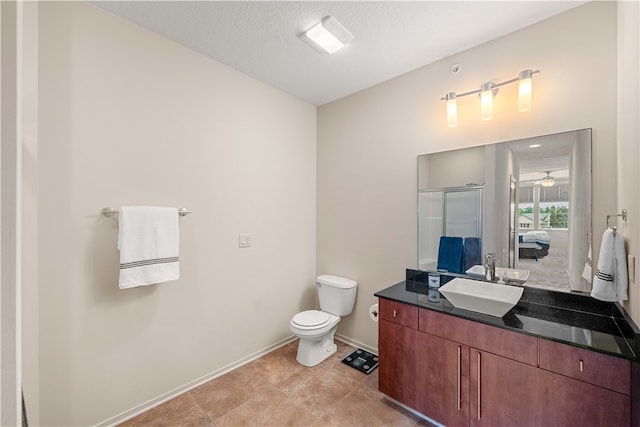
[
  {"x": 548, "y": 181},
  {"x": 486, "y": 101},
  {"x": 327, "y": 36},
  {"x": 525, "y": 86},
  {"x": 452, "y": 110}
]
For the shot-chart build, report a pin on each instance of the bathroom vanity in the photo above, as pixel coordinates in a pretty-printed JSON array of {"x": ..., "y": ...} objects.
[{"x": 555, "y": 359}]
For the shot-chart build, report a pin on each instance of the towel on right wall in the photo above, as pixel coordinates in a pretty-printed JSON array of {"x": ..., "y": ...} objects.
[{"x": 610, "y": 283}]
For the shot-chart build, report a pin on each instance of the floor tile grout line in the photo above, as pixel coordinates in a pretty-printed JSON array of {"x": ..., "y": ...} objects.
[
  {"x": 283, "y": 359},
  {"x": 201, "y": 408}
]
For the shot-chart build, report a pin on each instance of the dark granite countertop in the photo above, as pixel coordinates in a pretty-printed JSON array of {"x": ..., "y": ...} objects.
[{"x": 568, "y": 318}]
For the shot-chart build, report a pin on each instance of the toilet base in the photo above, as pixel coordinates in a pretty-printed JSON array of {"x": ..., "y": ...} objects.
[{"x": 311, "y": 353}]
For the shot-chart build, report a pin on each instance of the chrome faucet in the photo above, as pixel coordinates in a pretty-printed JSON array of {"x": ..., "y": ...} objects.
[{"x": 490, "y": 267}]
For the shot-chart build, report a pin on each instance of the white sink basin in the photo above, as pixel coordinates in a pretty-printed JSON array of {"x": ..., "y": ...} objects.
[
  {"x": 482, "y": 297},
  {"x": 510, "y": 275}
]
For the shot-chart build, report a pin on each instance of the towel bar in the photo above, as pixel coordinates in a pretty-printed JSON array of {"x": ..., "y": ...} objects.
[
  {"x": 623, "y": 215},
  {"x": 624, "y": 218},
  {"x": 109, "y": 211}
]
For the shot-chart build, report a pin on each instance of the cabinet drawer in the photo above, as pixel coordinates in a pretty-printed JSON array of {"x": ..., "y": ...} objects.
[
  {"x": 501, "y": 342},
  {"x": 444, "y": 326},
  {"x": 396, "y": 312},
  {"x": 512, "y": 345},
  {"x": 584, "y": 365}
]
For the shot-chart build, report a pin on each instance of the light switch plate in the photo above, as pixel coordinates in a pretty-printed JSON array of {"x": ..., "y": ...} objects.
[{"x": 244, "y": 240}]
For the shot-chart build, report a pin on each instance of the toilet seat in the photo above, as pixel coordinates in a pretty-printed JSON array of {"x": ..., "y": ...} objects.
[
  {"x": 311, "y": 319},
  {"x": 315, "y": 330}
]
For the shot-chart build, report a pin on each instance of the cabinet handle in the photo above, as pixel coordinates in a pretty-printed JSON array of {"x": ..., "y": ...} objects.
[
  {"x": 479, "y": 381},
  {"x": 395, "y": 313},
  {"x": 581, "y": 366},
  {"x": 459, "y": 376}
]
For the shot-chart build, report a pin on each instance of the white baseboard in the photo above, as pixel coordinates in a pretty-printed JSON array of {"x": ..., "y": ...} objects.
[
  {"x": 355, "y": 343},
  {"x": 133, "y": 412},
  {"x": 126, "y": 415},
  {"x": 413, "y": 411}
]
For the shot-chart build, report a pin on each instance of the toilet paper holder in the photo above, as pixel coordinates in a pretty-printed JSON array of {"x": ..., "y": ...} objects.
[{"x": 373, "y": 312}]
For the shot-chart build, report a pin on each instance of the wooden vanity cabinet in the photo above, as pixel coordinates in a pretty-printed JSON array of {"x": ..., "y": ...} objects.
[
  {"x": 397, "y": 334},
  {"x": 504, "y": 392},
  {"x": 463, "y": 373},
  {"x": 494, "y": 389},
  {"x": 583, "y": 388},
  {"x": 594, "y": 368},
  {"x": 442, "y": 379},
  {"x": 572, "y": 403}
]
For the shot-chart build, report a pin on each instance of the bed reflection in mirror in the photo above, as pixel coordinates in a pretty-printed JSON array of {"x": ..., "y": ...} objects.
[{"x": 526, "y": 201}]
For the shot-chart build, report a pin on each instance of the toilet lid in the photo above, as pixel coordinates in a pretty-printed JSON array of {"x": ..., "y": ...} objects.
[{"x": 311, "y": 318}]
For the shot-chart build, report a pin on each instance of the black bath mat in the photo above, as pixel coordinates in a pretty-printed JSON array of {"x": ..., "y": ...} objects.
[{"x": 362, "y": 360}]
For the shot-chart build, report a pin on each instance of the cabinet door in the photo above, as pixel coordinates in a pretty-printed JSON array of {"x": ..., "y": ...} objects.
[
  {"x": 503, "y": 392},
  {"x": 507, "y": 393},
  {"x": 397, "y": 362},
  {"x": 571, "y": 403},
  {"x": 443, "y": 380}
]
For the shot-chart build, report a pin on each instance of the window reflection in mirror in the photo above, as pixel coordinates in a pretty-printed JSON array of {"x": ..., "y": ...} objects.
[{"x": 535, "y": 205}]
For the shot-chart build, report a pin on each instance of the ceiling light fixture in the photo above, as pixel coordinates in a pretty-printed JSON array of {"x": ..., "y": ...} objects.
[
  {"x": 488, "y": 90},
  {"x": 327, "y": 36},
  {"x": 548, "y": 180}
]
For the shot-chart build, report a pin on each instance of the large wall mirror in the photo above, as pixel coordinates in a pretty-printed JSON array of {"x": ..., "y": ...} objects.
[{"x": 526, "y": 201}]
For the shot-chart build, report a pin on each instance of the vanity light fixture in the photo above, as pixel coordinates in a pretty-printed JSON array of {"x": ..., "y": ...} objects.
[
  {"x": 452, "y": 110},
  {"x": 486, "y": 101},
  {"x": 525, "y": 85},
  {"x": 327, "y": 36},
  {"x": 487, "y": 91},
  {"x": 548, "y": 180}
]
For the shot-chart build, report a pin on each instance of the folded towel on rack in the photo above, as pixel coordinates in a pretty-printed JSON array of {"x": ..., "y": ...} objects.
[
  {"x": 450, "y": 254},
  {"x": 471, "y": 252},
  {"x": 610, "y": 281},
  {"x": 149, "y": 242},
  {"x": 587, "y": 271}
]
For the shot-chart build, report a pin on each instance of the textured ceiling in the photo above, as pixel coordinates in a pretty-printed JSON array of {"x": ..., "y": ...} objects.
[{"x": 260, "y": 38}]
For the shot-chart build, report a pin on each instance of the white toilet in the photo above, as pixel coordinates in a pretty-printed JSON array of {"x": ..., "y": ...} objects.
[{"x": 315, "y": 328}]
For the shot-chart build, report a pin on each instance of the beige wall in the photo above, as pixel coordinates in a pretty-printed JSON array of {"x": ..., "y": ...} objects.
[
  {"x": 30, "y": 296},
  {"x": 629, "y": 137},
  {"x": 127, "y": 117},
  {"x": 11, "y": 37},
  {"x": 368, "y": 142}
]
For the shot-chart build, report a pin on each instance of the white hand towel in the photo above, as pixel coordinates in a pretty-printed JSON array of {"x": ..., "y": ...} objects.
[
  {"x": 587, "y": 271},
  {"x": 610, "y": 281},
  {"x": 621, "y": 278},
  {"x": 149, "y": 241}
]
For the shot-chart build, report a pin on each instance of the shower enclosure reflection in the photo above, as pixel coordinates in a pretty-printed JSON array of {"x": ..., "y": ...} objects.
[
  {"x": 457, "y": 211},
  {"x": 528, "y": 201}
]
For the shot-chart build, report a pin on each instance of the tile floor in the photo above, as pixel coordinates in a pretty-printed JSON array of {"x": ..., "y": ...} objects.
[{"x": 275, "y": 390}]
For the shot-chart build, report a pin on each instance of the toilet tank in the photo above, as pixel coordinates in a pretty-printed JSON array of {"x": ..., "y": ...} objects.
[{"x": 337, "y": 295}]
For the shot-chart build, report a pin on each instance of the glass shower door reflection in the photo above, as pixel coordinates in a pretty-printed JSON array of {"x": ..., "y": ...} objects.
[{"x": 453, "y": 212}]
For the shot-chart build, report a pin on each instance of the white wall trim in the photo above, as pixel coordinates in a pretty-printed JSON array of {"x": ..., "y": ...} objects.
[
  {"x": 133, "y": 412},
  {"x": 126, "y": 415},
  {"x": 413, "y": 411},
  {"x": 355, "y": 343}
]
